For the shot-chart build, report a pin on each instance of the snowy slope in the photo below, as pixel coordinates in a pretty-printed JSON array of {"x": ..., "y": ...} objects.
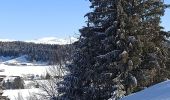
[
  {"x": 3, "y": 59},
  {"x": 21, "y": 59},
  {"x": 159, "y": 91}
]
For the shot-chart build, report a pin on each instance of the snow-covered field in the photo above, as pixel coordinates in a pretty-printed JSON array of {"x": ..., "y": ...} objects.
[{"x": 159, "y": 91}]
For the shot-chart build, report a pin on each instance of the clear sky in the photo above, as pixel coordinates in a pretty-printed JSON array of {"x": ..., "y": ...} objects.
[{"x": 32, "y": 19}]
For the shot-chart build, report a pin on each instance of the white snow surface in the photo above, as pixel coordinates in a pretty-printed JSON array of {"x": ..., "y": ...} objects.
[{"x": 159, "y": 91}]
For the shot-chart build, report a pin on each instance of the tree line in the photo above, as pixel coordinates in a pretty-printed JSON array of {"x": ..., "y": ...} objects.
[{"x": 36, "y": 52}]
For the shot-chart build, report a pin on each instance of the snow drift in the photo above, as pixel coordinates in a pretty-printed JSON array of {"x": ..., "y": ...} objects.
[{"x": 159, "y": 91}]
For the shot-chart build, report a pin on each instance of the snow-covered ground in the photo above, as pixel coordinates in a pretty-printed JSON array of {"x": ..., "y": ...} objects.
[
  {"x": 159, "y": 91},
  {"x": 24, "y": 94},
  {"x": 32, "y": 92}
]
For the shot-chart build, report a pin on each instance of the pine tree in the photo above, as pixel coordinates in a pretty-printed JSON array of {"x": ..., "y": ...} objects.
[
  {"x": 18, "y": 83},
  {"x": 120, "y": 49},
  {"x": 47, "y": 76},
  {"x": 1, "y": 87}
]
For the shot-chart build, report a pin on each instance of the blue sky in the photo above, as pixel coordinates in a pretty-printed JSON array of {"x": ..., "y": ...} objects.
[{"x": 32, "y": 19}]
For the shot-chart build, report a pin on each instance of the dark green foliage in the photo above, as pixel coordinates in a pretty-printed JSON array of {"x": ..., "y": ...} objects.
[
  {"x": 48, "y": 76},
  {"x": 15, "y": 82},
  {"x": 18, "y": 83},
  {"x": 119, "y": 50},
  {"x": 1, "y": 87}
]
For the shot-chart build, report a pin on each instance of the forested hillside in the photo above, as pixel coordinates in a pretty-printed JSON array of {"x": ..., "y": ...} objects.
[{"x": 35, "y": 52}]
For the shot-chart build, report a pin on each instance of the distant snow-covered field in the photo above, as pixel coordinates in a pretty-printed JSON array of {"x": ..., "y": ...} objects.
[
  {"x": 23, "y": 70},
  {"x": 21, "y": 66}
]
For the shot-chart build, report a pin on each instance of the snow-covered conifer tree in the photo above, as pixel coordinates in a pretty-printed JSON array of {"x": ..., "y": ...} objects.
[{"x": 119, "y": 50}]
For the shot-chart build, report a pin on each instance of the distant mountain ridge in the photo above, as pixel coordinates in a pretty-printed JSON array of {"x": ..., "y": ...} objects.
[
  {"x": 48, "y": 40},
  {"x": 54, "y": 40}
]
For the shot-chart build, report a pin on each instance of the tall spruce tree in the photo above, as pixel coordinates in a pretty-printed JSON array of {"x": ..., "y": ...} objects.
[{"x": 119, "y": 50}]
